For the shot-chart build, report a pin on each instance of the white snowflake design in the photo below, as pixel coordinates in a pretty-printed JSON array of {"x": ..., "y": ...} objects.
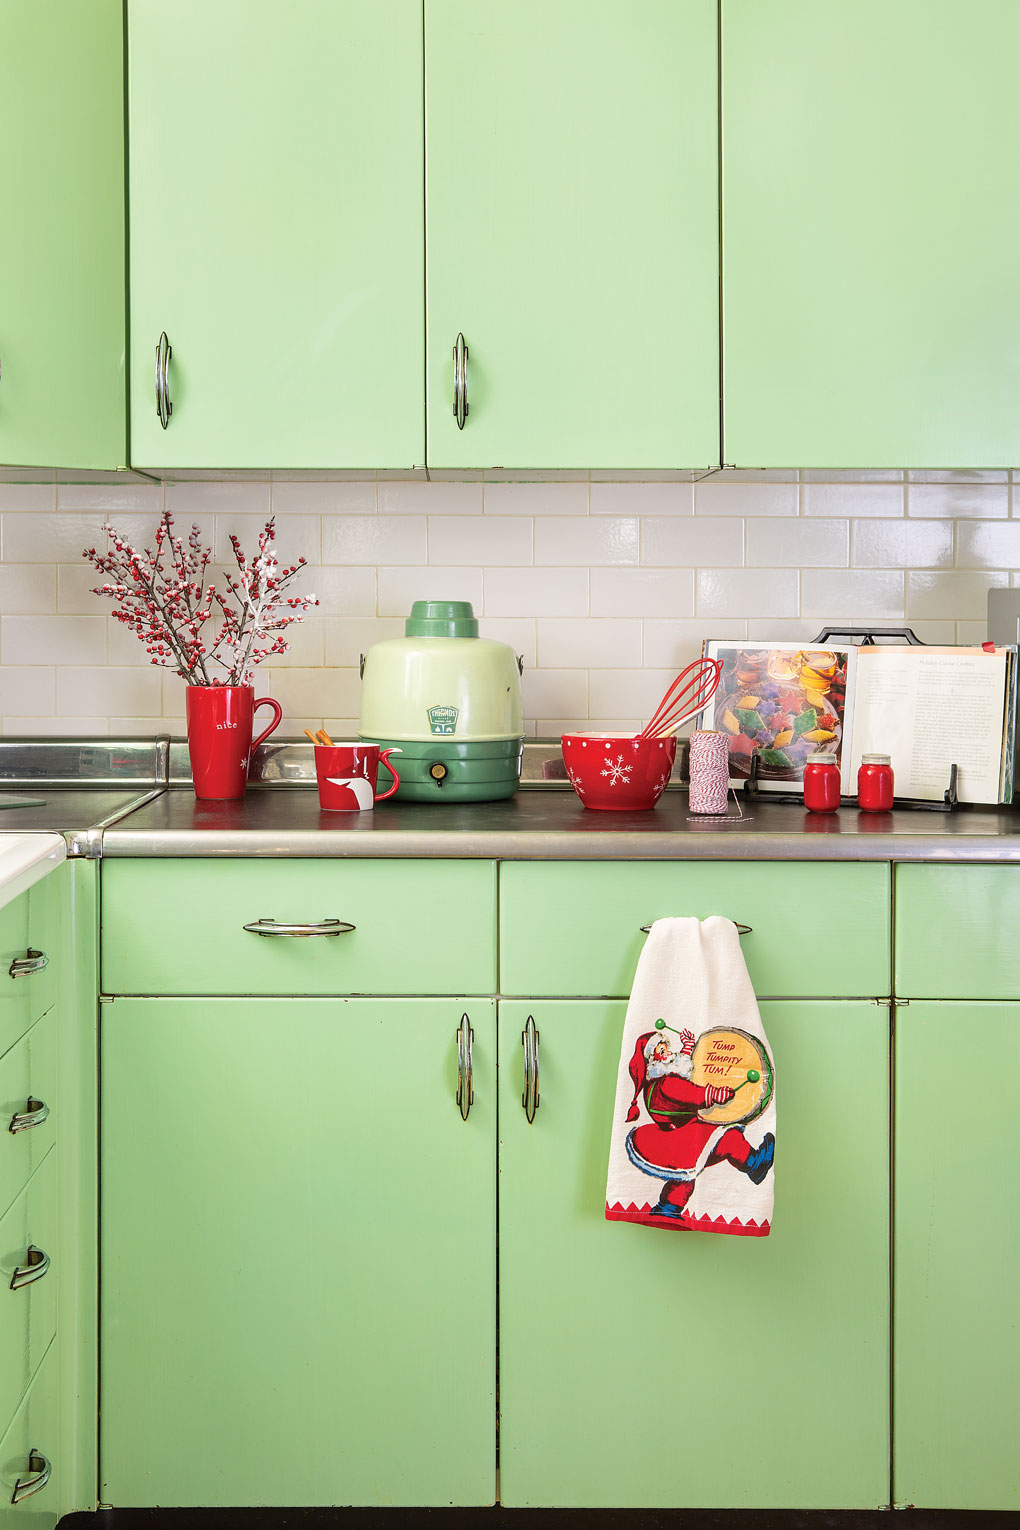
[{"x": 617, "y": 772}]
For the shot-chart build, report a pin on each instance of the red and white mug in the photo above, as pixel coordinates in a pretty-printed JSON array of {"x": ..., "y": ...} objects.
[
  {"x": 220, "y": 743},
  {"x": 347, "y": 773}
]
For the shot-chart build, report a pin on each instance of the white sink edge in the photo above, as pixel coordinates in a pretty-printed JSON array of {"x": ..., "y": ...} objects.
[{"x": 25, "y": 858}]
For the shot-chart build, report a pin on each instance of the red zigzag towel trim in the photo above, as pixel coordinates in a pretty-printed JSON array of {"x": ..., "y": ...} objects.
[{"x": 642, "y": 1215}]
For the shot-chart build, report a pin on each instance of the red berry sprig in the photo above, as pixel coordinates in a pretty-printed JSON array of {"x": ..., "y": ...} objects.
[{"x": 195, "y": 627}]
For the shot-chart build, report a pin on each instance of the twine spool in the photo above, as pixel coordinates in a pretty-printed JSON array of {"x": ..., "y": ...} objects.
[{"x": 709, "y": 771}]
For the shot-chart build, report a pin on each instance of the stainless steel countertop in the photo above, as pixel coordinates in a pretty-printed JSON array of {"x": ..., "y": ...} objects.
[{"x": 551, "y": 824}]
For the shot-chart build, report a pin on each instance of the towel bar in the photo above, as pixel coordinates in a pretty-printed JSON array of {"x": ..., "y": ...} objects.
[{"x": 742, "y": 929}]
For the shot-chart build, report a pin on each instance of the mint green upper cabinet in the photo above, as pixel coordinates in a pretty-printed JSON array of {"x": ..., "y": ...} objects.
[
  {"x": 276, "y": 232},
  {"x": 871, "y": 182},
  {"x": 572, "y": 232},
  {"x": 62, "y": 234}
]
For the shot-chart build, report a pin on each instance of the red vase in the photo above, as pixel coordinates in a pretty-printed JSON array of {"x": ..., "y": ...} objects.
[{"x": 219, "y": 737}]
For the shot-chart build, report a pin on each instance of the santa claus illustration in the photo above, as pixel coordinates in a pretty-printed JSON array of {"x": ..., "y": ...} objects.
[{"x": 675, "y": 1146}]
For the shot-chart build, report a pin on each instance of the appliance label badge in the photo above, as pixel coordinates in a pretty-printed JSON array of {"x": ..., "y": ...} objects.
[{"x": 443, "y": 719}]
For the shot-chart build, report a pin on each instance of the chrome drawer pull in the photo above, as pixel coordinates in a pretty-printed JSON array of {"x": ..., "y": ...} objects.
[
  {"x": 465, "y": 1069},
  {"x": 164, "y": 408},
  {"x": 742, "y": 929},
  {"x": 40, "y": 1470},
  {"x": 34, "y": 1114},
  {"x": 274, "y": 927},
  {"x": 36, "y": 1267},
  {"x": 460, "y": 398},
  {"x": 32, "y": 961},
  {"x": 529, "y": 1099}
]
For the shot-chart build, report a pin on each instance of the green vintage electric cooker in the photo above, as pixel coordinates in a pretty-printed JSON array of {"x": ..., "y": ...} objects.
[{"x": 450, "y": 701}]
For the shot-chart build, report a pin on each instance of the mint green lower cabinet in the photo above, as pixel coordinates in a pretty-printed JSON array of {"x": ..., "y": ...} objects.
[
  {"x": 957, "y": 1251},
  {"x": 655, "y": 1368},
  {"x": 298, "y": 1253},
  {"x": 30, "y": 1454}
]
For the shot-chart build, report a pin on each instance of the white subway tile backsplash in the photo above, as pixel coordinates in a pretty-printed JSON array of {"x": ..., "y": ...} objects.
[
  {"x": 435, "y": 498},
  {"x": 959, "y": 501},
  {"x": 988, "y": 544},
  {"x": 28, "y": 589},
  {"x": 951, "y": 593},
  {"x": 536, "y": 592},
  {"x": 481, "y": 539},
  {"x": 374, "y": 539},
  {"x": 587, "y": 643},
  {"x": 798, "y": 543},
  {"x": 593, "y": 540},
  {"x": 724, "y": 593},
  {"x": 79, "y": 640},
  {"x": 717, "y": 496},
  {"x": 852, "y": 595},
  {"x": 650, "y": 592},
  {"x": 903, "y": 544},
  {"x": 642, "y": 499},
  {"x": 536, "y": 498},
  {"x": 686, "y": 543},
  {"x": 399, "y": 588},
  {"x": 855, "y": 500},
  {"x": 606, "y": 583},
  {"x": 49, "y": 538}
]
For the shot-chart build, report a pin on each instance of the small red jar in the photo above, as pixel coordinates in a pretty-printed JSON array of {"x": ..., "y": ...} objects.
[
  {"x": 875, "y": 784},
  {"x": 821, "y": 784}
]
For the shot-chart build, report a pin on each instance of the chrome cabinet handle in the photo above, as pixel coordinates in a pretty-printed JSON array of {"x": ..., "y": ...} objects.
[
  {"x": 465, "y": 1068},
  {"x": 34, "y": 1114},
  {"x": 39, "y": 1469},
  {"x": 36, "y": 1267},
  {"x": 742, "y": 929},
  {"x": 275, "y": 927},
  {"x": 164, "y": 408},
  {"x": 529, "y": 1099},
  {"x": 460, "y": 398},
  {"x": 32, "y": 961}
]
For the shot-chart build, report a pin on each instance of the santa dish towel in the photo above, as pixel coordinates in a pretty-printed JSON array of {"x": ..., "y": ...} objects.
[{"x": 695, "y": 1116}]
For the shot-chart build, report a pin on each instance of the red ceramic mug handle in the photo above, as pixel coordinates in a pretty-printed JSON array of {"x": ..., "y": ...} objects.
[
  {"x": 383, "y": 760},
  {"x": 267, "y": 701}
]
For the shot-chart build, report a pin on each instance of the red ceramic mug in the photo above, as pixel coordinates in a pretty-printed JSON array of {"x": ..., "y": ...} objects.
[
  {"x": 347, "y": 774},
  {"x": 219, "y": 737}
]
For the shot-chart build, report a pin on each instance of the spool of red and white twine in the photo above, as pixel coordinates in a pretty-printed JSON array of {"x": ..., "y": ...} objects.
[{"x": 709, "y": 771}]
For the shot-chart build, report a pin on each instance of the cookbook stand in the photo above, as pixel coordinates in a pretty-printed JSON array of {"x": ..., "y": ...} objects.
[{"x": 864, "y": 637}]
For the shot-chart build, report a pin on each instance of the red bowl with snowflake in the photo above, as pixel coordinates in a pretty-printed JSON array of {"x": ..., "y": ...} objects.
[{"x": 618, "y": 771}]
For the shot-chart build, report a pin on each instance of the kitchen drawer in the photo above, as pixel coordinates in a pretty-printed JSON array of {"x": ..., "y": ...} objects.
[
  {"x": 29, "y": 1451},
  {"x": 27, "y": 1102},
  {"x": 27, "y": 1312},
  {"x": 956, "y": 932},
  {"x": 818, "y": 930},
  {"x": 177, "y": 927},
  {"x": 29, "y": 931}
]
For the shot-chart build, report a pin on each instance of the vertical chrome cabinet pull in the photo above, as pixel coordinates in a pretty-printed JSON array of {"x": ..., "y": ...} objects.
[
  {"x": 465, "y": 1068},
  {"x": 460, "y": 398},
  {"x": 164, "y": 408},
  {"x": 34, "y": 1114},
  {"x": 39, "y": 1474},
  {"x": 529, "y": 1040},
  {"x": 35, "y": 1267},
  {"x": 32, "y": 961}
]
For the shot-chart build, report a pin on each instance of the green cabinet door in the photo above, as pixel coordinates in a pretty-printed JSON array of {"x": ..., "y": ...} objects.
[
  {"x": 62, "y": 300},
  {"x": 957, "y": 1249},
  {"x": 870, "y": 192},
  {"x": 276, "y": 232},
  {"x": 298, "y": 1253},
  {"x": 572, "y": 232},
  {"x": 641, "y": 1367}
]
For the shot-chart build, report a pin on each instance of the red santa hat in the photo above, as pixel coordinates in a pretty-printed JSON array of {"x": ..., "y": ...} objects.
[{"x": 638, "y": 1069}]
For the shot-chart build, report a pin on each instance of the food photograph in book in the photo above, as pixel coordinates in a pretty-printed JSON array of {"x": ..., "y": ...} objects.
[{"x": 782, "y": 703}]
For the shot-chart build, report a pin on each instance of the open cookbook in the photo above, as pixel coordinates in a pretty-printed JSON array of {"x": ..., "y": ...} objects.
[{"x": 928, "y": 708}]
